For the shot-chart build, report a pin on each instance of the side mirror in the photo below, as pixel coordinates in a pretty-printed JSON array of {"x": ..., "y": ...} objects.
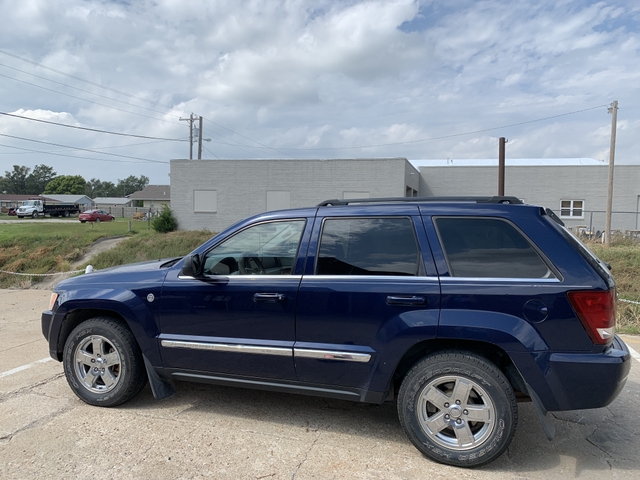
[{"x": 192, "y": 266}]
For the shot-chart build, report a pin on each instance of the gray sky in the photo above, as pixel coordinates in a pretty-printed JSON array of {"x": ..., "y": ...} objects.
[{"x": 315, "y": 79}]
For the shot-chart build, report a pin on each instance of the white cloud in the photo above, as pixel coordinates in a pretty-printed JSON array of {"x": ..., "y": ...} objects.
[{"x": 302, "y": 75}]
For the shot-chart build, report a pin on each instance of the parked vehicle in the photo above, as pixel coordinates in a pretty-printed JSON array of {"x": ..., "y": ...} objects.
[
  {"x": 12, "y": 211},
  {"x": 456, "y": 308},
  {"x": 37, "y": 208},
  {"x": 95, "y": 216}
]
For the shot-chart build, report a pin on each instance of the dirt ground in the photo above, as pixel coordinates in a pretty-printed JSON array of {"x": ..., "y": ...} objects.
[{"x": 99, "y": 246}]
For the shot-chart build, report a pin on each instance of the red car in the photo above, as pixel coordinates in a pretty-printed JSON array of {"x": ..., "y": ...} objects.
[{"x": 95, "y": 216}]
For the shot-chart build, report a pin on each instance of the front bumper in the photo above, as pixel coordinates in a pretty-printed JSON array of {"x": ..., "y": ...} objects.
[{"x": 45, "y": 321}]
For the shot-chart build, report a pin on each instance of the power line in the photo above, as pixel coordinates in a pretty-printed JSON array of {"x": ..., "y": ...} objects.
[
  {"x": 255, "y": 141},
  {"x": 95, "y": 148},
  {"x": 82, "y": 149},
  {"x": 170, "y": 107},
  {"x": 90, "y": 101},
  {"x": 452, "y": 135},
  {"x": 75, "y": 88},
  {"x": 247, "y": 138},
  {"x": 211, "y": 152},
  {"x": 92, "y": 129},
  {"x": 28, "y": 150},
  {"x": 80, "y": 79}
]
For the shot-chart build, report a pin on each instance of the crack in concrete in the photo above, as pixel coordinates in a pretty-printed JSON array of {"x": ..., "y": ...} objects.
[
  {"x": 6, "y": 396},
  {"x": 306, "y": 455},
  {"x": 40, "y": 421},
  {"x": 598, "y": 447}
]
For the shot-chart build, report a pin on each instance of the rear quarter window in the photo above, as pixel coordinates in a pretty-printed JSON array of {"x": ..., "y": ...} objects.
[{"x": 488, "y": 248}]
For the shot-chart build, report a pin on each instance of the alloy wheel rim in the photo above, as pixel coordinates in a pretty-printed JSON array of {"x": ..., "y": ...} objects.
[
  {"x": 97, "y": 364},
  {"x": 456, "y": 413}
]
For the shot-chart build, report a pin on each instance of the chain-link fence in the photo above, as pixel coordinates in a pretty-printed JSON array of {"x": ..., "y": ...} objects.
[
  {"x": 623, "y": 224},
  {"x": 131, "y": 212}
]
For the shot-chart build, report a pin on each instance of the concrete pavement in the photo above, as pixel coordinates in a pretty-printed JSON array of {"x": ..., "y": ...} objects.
[{"x": 206, "y": 431}]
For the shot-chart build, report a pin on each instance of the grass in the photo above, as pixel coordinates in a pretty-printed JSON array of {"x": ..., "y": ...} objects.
[
  {"x": 624, "y": 257},
  {"x": 150, "y": 245},
  {"x": 42, "y": 247}
]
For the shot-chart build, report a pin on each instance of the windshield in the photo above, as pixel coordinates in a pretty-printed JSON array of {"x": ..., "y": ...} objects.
[{"x": 29, "y": 203}]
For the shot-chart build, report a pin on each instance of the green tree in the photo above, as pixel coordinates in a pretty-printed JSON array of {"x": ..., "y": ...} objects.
[
  {"x": 131, "y": 184},
  {"x": 165, "y": 222},
  {"x": 66, "y": 185},
  {"x": 15, "y": 181},
  {"x": 97, "y": 188},
  {"x": 39, "y": 178}
]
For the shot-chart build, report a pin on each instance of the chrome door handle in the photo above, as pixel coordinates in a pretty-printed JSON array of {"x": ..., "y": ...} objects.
[
  {"x": 406, "y": 300},
  {"x": 269, "y": 297}
]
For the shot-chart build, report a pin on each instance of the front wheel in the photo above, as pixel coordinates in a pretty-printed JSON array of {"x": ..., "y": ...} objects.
[
  {"x": 98, "y": 220},
  {"x": 458, "y": 408},
  {"x": 34, "y": 215},
  {"x": 103, "y": 363}
]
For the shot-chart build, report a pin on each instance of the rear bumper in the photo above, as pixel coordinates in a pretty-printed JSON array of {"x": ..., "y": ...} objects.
[
  {"x": 593, "y": 380},
  {"x": 575, "y": 381}
]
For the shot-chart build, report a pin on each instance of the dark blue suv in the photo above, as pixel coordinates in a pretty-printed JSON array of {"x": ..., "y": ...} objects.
[{"x": 457, "y": 308}]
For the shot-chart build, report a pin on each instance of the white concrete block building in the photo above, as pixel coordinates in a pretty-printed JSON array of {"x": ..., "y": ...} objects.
[{"x": 214, "y": 194}]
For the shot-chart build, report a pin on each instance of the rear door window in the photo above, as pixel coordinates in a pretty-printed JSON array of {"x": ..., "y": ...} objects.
[
  {"x": 369, "y": 246},
  {"x": 488, "y": 248}
]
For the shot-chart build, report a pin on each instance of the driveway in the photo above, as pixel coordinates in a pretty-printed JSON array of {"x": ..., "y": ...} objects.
[{"x": 207, "y": 431}]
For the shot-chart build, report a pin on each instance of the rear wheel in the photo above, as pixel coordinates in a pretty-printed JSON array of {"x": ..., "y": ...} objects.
[
  {"x": 103, "y": 363},
  {"x": 458, "y": 408},
  {"x": 65, "y": 214},
  {"x": 98, "y": 220}
]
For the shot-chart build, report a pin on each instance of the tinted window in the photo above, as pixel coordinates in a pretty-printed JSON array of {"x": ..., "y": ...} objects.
[
  {"x": 368, "y": 246},
  {"x": 264, "y": 249},
  {"x": 486, "y": 247}
]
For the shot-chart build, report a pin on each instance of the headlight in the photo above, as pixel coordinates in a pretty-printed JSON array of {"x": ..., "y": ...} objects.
[{"x": 52, "y": 300}]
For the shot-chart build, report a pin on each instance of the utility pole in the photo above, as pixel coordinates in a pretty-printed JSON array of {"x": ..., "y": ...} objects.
[
  {"x": 613, "y": 110},
  {"x": 191, "y": 119},
  {"x": 501, "y": 149},
  {"x": 200, "y": 138}
]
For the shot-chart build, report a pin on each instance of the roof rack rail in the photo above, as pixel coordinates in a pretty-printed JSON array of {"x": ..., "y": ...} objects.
[{"x": 496, "y": 199}]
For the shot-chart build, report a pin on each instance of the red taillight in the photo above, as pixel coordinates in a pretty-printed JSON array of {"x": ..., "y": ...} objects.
[{"x": 597, "y": 312}]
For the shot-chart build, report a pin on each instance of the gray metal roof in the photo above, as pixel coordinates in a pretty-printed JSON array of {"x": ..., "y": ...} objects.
[
  {"x": 153, "y": 192},
  {"x": 509, "y": 162},
  {"x": 111, "y": 200}
]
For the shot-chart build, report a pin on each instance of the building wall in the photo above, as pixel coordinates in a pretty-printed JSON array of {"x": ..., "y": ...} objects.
[
  {"x": 155, "y": 203},
  {"x": 547, "y": 186},
  {"x": 236, "y": 189}
]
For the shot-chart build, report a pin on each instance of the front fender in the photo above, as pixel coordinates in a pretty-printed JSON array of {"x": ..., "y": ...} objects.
[{"x": 134, "y": 307}]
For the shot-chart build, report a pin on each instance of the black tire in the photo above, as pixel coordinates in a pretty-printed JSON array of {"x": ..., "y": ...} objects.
[
  {"x": 440, "y": 425},
  {"x": 83, "y": 221},
  {"x": 65, "y": 214},
  {"x": 118, "y": 365},
  {"x": 34, "y": 215},
  {"x": 98, "y": 220}
]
